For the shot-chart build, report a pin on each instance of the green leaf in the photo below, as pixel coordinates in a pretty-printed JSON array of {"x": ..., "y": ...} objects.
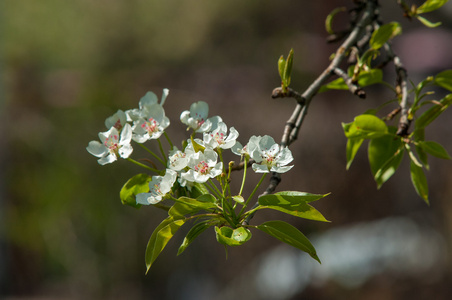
[
  {"x": 353, "y": 146},
  {"x": 136, "y": 185},
  {"x": 207, "y": 198},
  {"x": 419, "y": 181},
  {"x": 370, "y": 77},
  {"x": 187, "y": 206},
  {"x": 198, "y": 189},
  {"x": 290, "y": 235},
  {"x": 197, "y": 147},
  {"x": 365, "y": 78},
  {"x": 383, "y": 34},
  {"x": 288, "y": 68},
  {"x": 160, "y": 237},
  {"x": 293, "y": 203},
  {"x": 232, "y": 237},
  {"x": 385, "y": 154},
  {"x": 329, "y": 19},
  {"x": 433, "y": 112},
  {"x": 427, "y": 22},
  {"x": 430, "y": 5},
  {"x": 307, "y": 197},
  {"x": 444, "y": 79},
  {"x": 434, "y": 149},
  {"x": 365, "y": 127},
  {"x": 281, "y": 66},
  {"x": 194, "y": 232}
]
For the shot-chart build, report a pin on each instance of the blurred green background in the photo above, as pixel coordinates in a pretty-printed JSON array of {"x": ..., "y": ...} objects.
[{"x": 64, "y": 234}]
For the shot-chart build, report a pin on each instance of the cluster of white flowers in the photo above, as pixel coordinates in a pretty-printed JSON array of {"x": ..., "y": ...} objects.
[{"x": 198, "y": 161}]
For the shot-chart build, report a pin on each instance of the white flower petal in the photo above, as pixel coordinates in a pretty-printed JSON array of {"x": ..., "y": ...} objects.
[
  {"x": 164, "y": 95},
  {"x": 97, "y": 149},
  {"x": 260, "y": 168},
  {"x": 107, "y": 159}
]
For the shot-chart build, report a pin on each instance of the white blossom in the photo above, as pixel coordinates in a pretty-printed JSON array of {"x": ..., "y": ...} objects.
[
  {"x": 158, "y": 188},
  {"x": 269, "y": 156},
  {"x": 112, "y": 145},
  {"x": 203, "y": 166}
]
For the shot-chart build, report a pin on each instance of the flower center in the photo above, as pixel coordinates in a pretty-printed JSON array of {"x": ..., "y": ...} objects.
[
  {"x": 176, "y": 157},
  {"x": 118, "y": 125},
  {"x": 151, "y": 126},
  {"x": 219, "y": 138},
  {"x": 112, "y": 143},
  {"x": 202, "y": 167}
]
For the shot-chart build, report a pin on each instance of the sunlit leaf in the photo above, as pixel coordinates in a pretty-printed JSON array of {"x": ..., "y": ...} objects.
[
  {"x": 353, "y": 146},
  {"x": 383, "y": 34},
  {"x": 385, "y": 154},
  {"x": 186, "y": 206},
  {"x": 329, "y": 19},
  {"x": 444, "y": 79},
  {"x": 160, "y": 237},
  {"x": 232, "y": 237},
  {"x": 288, "y": 234},
  {"x": 427, "y": 22},
  {"x": 419, "y": 181},
  {"x": 434, "y": 149},
  {"x": 288, "y": 68},
  {"x": 365, "y": 78},
  {"x": 194, "y": 232},
  {"x": 136, "y": 185},
  {"x": 281, "y": 66},
  {"x": 198, "y": 189},
  {"x": 430, "y": 5},
  {"x": 293, "y": 203},
  {"x": 432, "y": 113},
  {"x": 365, "y": 127}
]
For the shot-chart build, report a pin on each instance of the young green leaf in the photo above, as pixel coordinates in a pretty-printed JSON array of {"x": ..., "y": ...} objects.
[
  {"x": 281, "y": 67},
  {"x": 434, "y": 149},
  {"x": 194, "y": 232},
  {"x": 135, "y": 185},
  {"x": 290, "y": 235},
  {"x": 383, "y": 34},
  {"x": 198, "y": 189},
  {"x": 427, "y": 22},
  {"x": 296, "y": 205},
  {"x": 353, "y": 146},
  {"x": 288, "y": 68},
  {"x": 365, "y": 78},
  {"x": 389, "y": 168},
  {"x": 187, "y": 206},
  {"x": 329, "y": 19},
  {"x": 430, "y": 5},
  {"x": 444, "y": 79},
  {"x": 382, "y": 149},
  {"x": 232, "y": 237},
  {"x": 365, "y": 127},
  {"x": 433, "y": 112},
  {"x": 419, "y": 181},
  {"x": 160, "y": 237}
]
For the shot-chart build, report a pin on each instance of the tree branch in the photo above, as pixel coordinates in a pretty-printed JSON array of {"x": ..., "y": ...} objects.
[{"x": 292, "y": 127}]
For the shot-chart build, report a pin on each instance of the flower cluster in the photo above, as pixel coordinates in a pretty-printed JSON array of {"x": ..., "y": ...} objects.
[{"x": 198, "y": 162}]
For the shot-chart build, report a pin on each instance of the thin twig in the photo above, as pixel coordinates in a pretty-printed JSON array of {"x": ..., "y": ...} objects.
[
  {"x": 354, "y": 88},
  {"x": 294, "y": 123}
]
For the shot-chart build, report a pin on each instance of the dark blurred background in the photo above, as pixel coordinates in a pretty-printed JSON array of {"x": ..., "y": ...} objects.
[{"x": 64, "y": 234}]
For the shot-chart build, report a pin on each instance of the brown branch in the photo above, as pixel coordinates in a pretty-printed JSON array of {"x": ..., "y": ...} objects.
[
  {"x": 402, "y": 91},
  {"x": 294, "y": 123},
  {"x": 354, "y": 88}
]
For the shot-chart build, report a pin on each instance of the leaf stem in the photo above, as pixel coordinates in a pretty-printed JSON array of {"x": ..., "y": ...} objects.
[
  {"x": 143, "y": 165},
  {"x": 252, "y": 194}
]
